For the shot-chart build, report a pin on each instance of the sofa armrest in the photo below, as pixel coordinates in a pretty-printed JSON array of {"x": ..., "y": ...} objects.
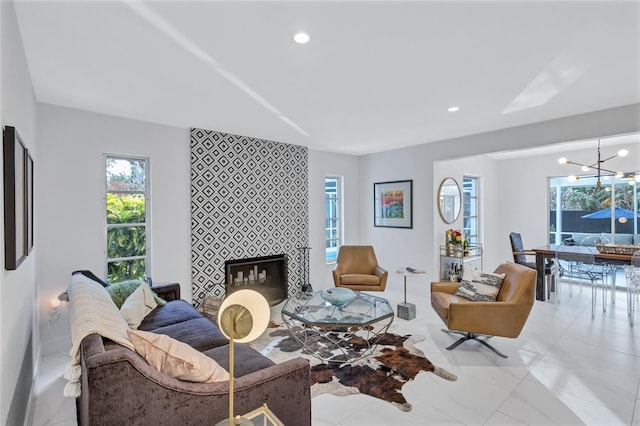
[{"x": 167, "y": 291}]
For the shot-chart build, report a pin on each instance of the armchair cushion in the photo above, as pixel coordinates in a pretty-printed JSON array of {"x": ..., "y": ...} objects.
[
  {"x": 359, "y": 279},
  {"x": 480, "y": 286}
]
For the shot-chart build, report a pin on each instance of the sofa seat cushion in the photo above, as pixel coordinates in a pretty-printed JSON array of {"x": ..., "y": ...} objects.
[
  {"x": 199, "y": 333},
  {"x": 171, "y": 312},
  {"x": 247, "y": 359}
]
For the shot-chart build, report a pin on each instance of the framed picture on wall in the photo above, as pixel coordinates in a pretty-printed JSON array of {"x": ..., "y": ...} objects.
[
  {"x": 393, "y": 204},
  {"x": 16, "y": 233},
  {"x": 29, "y": 191}
]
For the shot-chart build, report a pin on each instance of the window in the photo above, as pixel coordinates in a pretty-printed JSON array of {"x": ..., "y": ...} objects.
[
  {"x": 580, "y": 208},
  {"x": 471, "y": 208},
  {"x": 332, "y": 215},
  {"x": 127, "y": 218}
]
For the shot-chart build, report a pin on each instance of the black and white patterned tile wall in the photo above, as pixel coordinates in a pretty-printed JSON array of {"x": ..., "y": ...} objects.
[{"x": 249, "y": 198}]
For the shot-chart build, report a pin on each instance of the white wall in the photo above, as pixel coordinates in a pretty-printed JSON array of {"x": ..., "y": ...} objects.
[
  {"x": 486, "y": 169},
  {"x": 322, "y": 164},
  {"x": 397, "y": 247},
  {"x": 17, "y": 288},
  {"x": 70, "y": 220},
  {"x": 525, "y": 182}
]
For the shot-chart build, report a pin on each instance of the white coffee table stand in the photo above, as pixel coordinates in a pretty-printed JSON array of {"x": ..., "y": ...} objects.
[{"x": 406, "y": 310}]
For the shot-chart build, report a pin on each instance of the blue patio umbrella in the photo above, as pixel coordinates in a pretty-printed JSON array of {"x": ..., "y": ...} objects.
[{"x": 606, "y": 214}]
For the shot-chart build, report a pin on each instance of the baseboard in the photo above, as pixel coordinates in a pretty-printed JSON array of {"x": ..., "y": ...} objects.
[
  {"x": 31, "y": 403},
  {"x": 22, "y": 401}
]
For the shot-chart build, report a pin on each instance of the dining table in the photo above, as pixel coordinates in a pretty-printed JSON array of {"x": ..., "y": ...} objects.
[{"x": 548, "y": 251}]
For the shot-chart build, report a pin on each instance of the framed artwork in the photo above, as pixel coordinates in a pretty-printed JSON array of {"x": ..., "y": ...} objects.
[
  {"x": 29, "y": 188},
  {"x": 393, "y": 204},
  {"x": 16, "y": 233}
]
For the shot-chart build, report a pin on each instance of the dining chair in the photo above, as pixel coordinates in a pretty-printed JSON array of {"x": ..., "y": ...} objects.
[
  {"x": 632, "y": 274},
  {"x": 599, "y": 269},
  {"x": 520, "y": 257},
  {"x": 572, "y": 265}
]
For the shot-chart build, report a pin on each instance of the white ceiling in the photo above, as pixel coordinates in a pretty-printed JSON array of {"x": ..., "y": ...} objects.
[{"x": 376, "y": 75}]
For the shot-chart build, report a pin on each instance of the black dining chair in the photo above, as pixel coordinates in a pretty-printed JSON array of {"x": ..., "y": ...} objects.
[{"x": 520, "y": 257}]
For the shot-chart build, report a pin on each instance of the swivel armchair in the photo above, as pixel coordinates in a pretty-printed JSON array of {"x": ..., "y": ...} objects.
[
  {"x": 357, "y": 268},
  {"x": 473, "y": 320}
]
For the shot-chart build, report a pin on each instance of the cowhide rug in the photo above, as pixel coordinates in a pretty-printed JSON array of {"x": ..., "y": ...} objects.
[{"x": 381, "y": 374}]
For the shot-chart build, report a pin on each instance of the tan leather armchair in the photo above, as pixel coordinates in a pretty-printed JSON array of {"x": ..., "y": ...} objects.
[
  {"x": 357, "y": 268},
  {"x": 505, "y": 317}
]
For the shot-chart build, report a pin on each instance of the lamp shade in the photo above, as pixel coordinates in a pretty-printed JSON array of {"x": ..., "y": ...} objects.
[{"x": 246, "y": 314}]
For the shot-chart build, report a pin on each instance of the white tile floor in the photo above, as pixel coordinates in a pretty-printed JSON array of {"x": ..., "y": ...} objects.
[{"x": 564, "y": 369}]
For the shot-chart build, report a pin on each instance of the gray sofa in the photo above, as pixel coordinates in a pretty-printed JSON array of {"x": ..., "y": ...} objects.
[
  {"x": 118, "y": 387},
  {"x": 578, "y": 237}
]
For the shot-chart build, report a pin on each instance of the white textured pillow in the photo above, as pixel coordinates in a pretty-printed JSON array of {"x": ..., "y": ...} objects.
[
  {"x": 176, "y": 359},
  {"x": 480, "y": 286},
  {"x": 138, "y": 305}
]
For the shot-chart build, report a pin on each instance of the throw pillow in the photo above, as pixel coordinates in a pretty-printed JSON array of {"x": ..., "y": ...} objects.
[
  {"x": 123, "y": 289},
  {"x": 480, "y": 286},
  {"x": 175, "y": 358},
  {"x": 138, "y": 305}
]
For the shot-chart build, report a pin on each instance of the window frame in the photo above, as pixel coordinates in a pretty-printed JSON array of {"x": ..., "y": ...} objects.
[
  {"x": 338, "y": 217},
  {"x": 473, "y": 238},
  {"x": 147, "y": 225}
]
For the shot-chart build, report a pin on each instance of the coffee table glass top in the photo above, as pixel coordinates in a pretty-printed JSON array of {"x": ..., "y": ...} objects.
[{"x": 313, "y": 310}]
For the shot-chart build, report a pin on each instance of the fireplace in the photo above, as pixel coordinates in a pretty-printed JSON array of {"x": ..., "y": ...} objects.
[{"x": 267, "y": 275}]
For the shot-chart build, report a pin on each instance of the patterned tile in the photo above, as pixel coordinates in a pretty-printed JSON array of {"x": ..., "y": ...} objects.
[{"x": 249, "y": 198}]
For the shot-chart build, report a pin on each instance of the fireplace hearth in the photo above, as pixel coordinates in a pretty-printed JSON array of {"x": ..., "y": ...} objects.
[{"x": 266, "y": 275}]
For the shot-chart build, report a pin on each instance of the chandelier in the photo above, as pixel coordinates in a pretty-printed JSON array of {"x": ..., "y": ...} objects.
[{"x": 598, "y": 166}]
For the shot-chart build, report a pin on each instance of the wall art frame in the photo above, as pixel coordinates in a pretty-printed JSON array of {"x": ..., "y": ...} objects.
[
  {"x": 29, "y": 199},
  {"x": 16, "y": 219},
  {"x": 393, "y": 204}
]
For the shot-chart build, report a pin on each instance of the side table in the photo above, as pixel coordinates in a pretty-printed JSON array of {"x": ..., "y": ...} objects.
[
  {"x": 406, "y": 310},
  {"x": 263, "y": 416}
]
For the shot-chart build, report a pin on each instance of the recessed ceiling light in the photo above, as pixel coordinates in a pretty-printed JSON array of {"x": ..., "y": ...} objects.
[
  {"x": 453, "y": 109},
  {"x": 301, "y": 38}
]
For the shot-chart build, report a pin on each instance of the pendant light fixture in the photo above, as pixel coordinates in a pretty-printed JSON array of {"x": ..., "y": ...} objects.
[{"x": 597, "y": 165}]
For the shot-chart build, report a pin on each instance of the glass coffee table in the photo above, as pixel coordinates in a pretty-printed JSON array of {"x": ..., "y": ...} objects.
[{"x": 338, "y": 334}]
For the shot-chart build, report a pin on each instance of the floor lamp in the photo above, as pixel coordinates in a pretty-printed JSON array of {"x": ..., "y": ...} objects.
[{"x": 243, "y": 317}]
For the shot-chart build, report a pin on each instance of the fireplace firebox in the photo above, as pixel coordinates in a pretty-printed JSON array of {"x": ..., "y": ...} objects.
[{"x": 266, "y": 275}]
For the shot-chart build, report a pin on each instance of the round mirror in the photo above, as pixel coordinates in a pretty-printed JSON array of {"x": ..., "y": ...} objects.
[{"x": 449, "y": 200}]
